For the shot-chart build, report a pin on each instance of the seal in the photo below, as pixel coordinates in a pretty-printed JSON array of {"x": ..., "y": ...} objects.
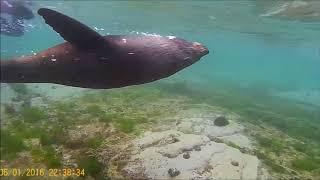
[{"x": 89, "y": 60}]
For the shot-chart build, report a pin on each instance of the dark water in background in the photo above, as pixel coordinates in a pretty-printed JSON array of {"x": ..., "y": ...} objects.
[{"x": 257, "y": 47}]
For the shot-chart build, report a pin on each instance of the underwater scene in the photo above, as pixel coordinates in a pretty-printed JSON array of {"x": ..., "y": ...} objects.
[{"x": 226, "y": 89}]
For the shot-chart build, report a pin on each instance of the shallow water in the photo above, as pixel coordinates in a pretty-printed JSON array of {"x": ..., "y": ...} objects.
[
  {"x": 246, "y": 47},
  {"x": 263, "y": 55}
]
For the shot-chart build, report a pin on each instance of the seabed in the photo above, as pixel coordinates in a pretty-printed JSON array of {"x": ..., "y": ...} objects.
[{"x": 158, "y": 131}]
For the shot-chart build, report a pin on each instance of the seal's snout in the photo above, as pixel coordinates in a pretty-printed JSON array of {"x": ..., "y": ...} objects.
[{"x": 199, "y": 47}]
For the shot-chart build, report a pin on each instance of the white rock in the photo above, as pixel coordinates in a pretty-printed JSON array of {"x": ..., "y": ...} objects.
[
  {"x": 187, "y": 142},
  {"x": 239, "y": 140},
  {"x": 150, "y": 138},
  {"x": 205, "y": 126},
  {"x": 158, "y": 155}
]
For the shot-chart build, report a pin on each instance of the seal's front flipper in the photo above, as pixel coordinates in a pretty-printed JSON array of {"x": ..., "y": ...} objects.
[{"x": 72, "y": 30}]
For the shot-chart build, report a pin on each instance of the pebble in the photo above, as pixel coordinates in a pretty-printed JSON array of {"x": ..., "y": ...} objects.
[
  {"x": 235, "y": 163},
  {"x": 197, "y": 148},
  {"x": 173, "y": 172},
  {"x": 186, "y": 155}
]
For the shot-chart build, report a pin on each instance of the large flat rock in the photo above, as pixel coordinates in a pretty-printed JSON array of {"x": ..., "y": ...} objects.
[{"x": 192, "y": 156}]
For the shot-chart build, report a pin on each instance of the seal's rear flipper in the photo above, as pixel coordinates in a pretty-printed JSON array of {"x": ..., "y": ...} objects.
[{"x": 72, "y": 30}]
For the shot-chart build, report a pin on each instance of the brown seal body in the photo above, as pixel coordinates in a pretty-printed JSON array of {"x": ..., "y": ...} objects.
[{"x": 92, "y": 61}]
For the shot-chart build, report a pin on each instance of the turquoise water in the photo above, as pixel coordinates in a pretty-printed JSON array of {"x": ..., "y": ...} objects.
[
  {"x": 246, "y": 47},
  {"x": 263, "y": 55}
]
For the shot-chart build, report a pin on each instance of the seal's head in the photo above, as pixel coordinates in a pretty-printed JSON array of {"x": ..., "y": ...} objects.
[
  {"x": 188, "y": 52},
  {"x": 159, "y": 56}
]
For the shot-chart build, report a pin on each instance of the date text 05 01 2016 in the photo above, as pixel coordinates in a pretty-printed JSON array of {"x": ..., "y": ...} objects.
[{"x": 41, "y": 172}]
